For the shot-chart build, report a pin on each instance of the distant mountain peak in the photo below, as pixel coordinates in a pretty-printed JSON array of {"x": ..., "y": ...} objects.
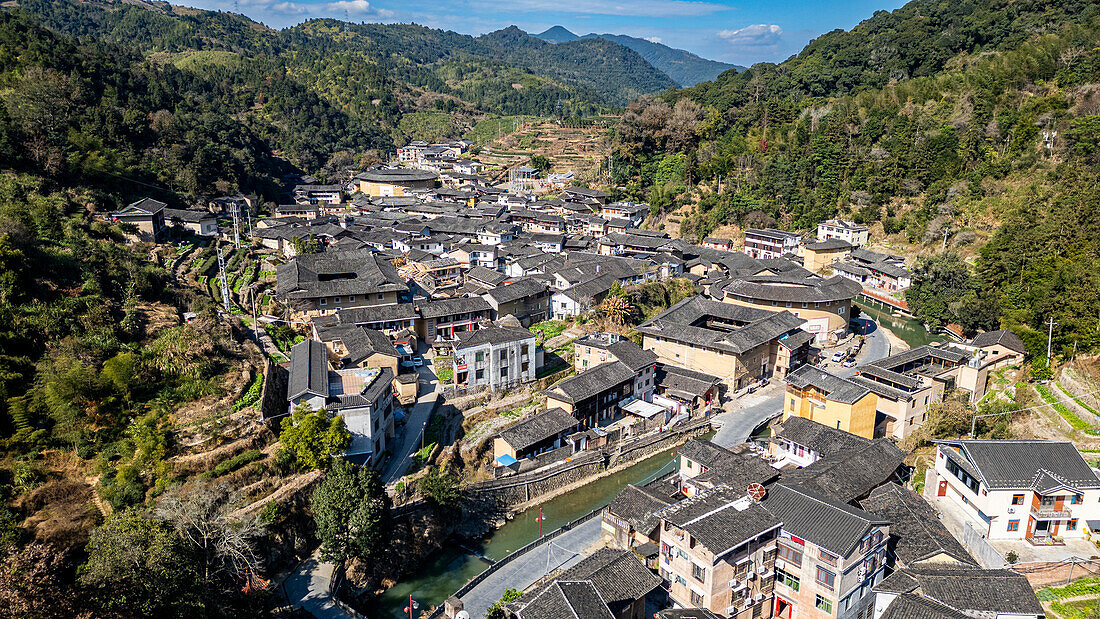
[{"x": 557, "y": 34}]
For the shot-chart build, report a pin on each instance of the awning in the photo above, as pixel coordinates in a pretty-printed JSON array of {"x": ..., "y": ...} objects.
[
  {"x": 644, "y": 409},
  {"x": 506, "y": 460}
]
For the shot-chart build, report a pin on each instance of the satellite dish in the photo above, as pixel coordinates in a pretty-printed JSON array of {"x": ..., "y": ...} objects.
[
  {"x": 756, "y": 491},
  {"x": 462, "y": 615}
]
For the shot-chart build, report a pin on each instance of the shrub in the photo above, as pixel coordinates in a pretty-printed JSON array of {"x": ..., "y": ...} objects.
[{"x": 236, "y": 462}]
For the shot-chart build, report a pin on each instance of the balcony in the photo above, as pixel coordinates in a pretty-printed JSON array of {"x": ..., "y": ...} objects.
[{"x": 1049, "y": 513}]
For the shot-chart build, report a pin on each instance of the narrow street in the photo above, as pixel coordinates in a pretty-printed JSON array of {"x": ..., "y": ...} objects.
[
  {"x": 754, "y": 411},
  {"x": 407, "y": 443}
]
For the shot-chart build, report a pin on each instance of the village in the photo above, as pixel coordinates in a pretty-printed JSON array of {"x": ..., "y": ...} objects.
[{"x": 492, "y": 327}]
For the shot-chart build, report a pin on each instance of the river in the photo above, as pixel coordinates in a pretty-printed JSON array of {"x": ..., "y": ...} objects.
[
  {"x": 910, "y": 330},
  {"x": 453, "y": 566}
]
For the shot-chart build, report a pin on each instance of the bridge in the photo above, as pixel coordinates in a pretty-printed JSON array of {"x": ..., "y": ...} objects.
[{"x": 874, "y": 296}]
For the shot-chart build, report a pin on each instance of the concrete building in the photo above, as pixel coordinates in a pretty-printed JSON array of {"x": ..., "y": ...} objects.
[
  {"x": 718, "y": 552},
  {"x": 526, "y": 299},
  {"x": 830, "y": 400},
  {"x": 850, "y": 232},
  {"x": 830, "y": 554},
  {"x": 823, "y": 303},
  {"x": 1019, "y": 489},
  {"x": 816, "y": 257},
  {"x": 442, "y": 320},
  {"x": 770, "y": 243},
  {"x": 593, "y": 350},
  {"x": 739, "y": 344},
  {"x": 593, "y": 396},
  {"x": 495, "y": 357},
  {"x": 355, "y": 346},
  {"x": 147, "y": 218},
  {"x": 200, "y": 223}
]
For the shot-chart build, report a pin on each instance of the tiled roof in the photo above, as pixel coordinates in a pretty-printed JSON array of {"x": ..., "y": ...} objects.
[
  {"x": 818, "y": 437},
  {"x": 828, "y": 245},
  {"x": 794, "y": 288},
  {"x": 618, "y": 575},
  {"x": 540, "y": 426},
  {"x": 591, "y": 382},
  {"x": 850, "y": 474},
  {"x": 720, "y": 518},
  {"x": 972, "y": 591},
  {"x": 915, "y": 527},
  {"x": 638, "y": 506},
  {"x": 1025, "y": 463},
  {"x": 683, "y": 383},
  {"x": 632, "y": 355},
  {"x": 308, "y": 370},
  {"x": 488, "y": 276},
  {"x": 449, "y": 307},
  {"x": 835, "y": 387},
  {"x": 337, "y": 273},
  {"x": 1004, "y": 337},
  {"x": 491, "y": 335},
  {"x": 835, "y": 526},
  {"x": 566, "y": 600},
  {"x": 521, "y": 289},
  {"x": 376, "y": 313},
  {"x": 912, "y": 606},
  {"x": 742, "y": 328}
]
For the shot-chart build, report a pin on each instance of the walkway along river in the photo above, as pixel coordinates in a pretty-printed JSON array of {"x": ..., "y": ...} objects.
[
  {"x": 446, "y": 572},
  {"x": 910, "y": 330}
]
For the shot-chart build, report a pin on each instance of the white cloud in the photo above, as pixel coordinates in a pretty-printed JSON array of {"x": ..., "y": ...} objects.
[
  {"x": 359, "y": 7},
  {"x": 653, "y": 39},
  {"x": 633, "y": 8},
  {"x": 756, "y": 35}
]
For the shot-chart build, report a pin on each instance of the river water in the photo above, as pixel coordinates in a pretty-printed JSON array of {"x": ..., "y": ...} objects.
[
  {"x": 453, "y": 566},
  {"x": 910, "y": 330}
]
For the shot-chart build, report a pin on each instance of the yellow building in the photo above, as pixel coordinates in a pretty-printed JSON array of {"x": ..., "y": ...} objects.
[
  {"x": 830, "y": 400},
  {"x": 817, "y": 257},
  {"x": 389, "y": 182}
]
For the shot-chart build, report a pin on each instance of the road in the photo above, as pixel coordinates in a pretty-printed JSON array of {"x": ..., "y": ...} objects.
[
  {"x": 563, "y": 551},
  {"x": 307, "y": 588},
  {"x": 408, "y": 443},
  {"x": 754, "y": 411}
]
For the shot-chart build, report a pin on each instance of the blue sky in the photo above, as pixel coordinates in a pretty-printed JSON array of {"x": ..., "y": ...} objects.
[{"x": 728, "y": 30}]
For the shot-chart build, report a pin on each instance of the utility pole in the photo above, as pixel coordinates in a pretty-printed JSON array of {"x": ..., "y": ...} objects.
[
  {"x": 221, "y": 275},
  {"x": 1050, "y": 336},
  {"x": 236, "y": 225},
  {"x": 943, "y": 247}
]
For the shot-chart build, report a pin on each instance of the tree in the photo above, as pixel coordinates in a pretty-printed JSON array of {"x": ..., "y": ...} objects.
[
  {"x": 939, "y": 281},
  {"x": 441, "y": 487},
  {"x": 307, "y": 245},
  {"x": 312, "y": 438},
  {"x": 137, "y": 563},
  {"x": 34, "y": 584},
  {"x": 540, "y": 163},
  {"x": 351, "y": 509},
  {"x": 496, "y": 611}
]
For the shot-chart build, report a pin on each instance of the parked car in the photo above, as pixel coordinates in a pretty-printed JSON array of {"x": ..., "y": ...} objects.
[
  {"x": 837, "y": 357},
  {"x": 407, "y": 363},
  {"x": 849, "y": 362},
  {"x": 418, "y": 360}
]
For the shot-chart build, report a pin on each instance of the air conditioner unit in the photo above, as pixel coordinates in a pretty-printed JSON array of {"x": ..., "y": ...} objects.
[
  {"x": 748, "y": 603},
  {"x": 862, "y": 573},
  {"x": 730, "y": 610},
  {"x": 735, "y": 584},
  {"x": 751, "y": 575},
  {"x": 758, "y": 597},
  {"x": 1012, "y": 510}
]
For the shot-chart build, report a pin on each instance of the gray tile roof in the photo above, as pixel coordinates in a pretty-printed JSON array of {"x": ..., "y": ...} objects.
[
  {"x": 694, "y": 321},
  {"x": 912, "y": 606},
  {"x": 491, "y": 335},
  {"x": 818, "y": 437},
  {"x": 520, "y": 289},
  {"x": 850, "y": 474},
  {"x": 376, "y": 313},
  {"x": 337, "y": 273},
  {"x": 794, "y": 287},
  {"x": 829, "y": 244},
  {"x": 539, "y": 427},
  {"x": 720, "y": 518},
  {"x": 591, "y": 382},
  {"x": 894, "y": 362},
  {"x": 915, "y": 529},
  {"x": 835, "y": 387},
  {"x": 1004, "y": 337},
  {"x": 638, "y": 506},
  {"x": 188, "y": 215},
  {"x": 968, "y": 590},
  {"x": 566, "y": 600},
  {"x": 1028, "y": 464},
  {"x": 632, "y": 355},
  {"x": 833, "y": 525},
  {"x": 308, "y": 370},
  {"x": 487, "y": 276},
  {"x": 359, "y": 342},
  {"x": 684, "y": 383},
  {"x": 618, "y": 575},
  {"x": 450, "y": 307}
]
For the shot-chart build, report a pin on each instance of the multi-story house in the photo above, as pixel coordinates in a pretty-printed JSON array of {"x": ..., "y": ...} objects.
[
  {"x": 853, "y": 233},
  {"x": 830, "y": 400},
  {"x": 526, "y": 299},
  {"x": 592, "y": 350},
  {"x": 363, "y": 397},
  {"x": 319, "y": 194},
  {"x": 739, "y": 344},
  {"x": 830, "y": 554},
  {"x": 817, "y": 257},
  {"x": 1019, "y": 489},
  {"x": 633, "y": 212},
  {"x": 147, "y": 217},
  {"x": 320, "y": 284},
  {"x": 495, "y": 357},
  {"x": 542, "y": 432},
  {"x": 801, "y": 442},
  {"x": 471, "y": 255},
  {"x": 719, "y": 244},
  {"x": 444, "y": 319},
  {"x": 593, "y": 396},
  {"x": 718, "y": 552},
  {"x": 770, "y": 243}
]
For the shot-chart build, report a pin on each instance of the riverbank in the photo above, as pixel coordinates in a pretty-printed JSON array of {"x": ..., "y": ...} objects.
[{"x": 904, "y": 333}]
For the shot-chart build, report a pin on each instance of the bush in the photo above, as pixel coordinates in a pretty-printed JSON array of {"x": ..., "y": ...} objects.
[{"x": 236, "y": 462}]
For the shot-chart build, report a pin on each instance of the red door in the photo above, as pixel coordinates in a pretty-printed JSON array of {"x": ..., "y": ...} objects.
[
  {"x": 783, "y": 608},
  {"x": 942, "y": 489}
]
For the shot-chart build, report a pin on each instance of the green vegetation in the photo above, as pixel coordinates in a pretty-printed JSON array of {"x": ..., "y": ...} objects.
[
  {"x": 496, "y": 611},
  {"x": 236, "y": 462},
  {"x": 441, "y": 487},
  {"x": 1076, "y": 399},
  {"x": 351, "y": 509},
  {"x": 944, "y": 292},
  {"x": 1074, "y": 421},
  {"x": 310, "y": 439},
  {"x": 549, "y": 329},
  {"x": 1081, "y": 609},
  {"x": 1085, "y": 586},
  {"x": 444, "y": 369}
]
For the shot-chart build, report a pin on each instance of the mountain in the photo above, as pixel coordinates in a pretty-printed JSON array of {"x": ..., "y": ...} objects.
[
  {"x": 684, "y": 67},
  {"x": 557, "y": 34}
]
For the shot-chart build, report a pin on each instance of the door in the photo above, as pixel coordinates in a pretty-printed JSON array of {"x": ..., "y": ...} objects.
[
  {"x": 941, "y": 490},
  {"x": 1042, "y": 528}
]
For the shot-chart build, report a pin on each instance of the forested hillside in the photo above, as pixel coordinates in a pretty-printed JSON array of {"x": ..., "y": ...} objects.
[{"x": 940, "y": 138}]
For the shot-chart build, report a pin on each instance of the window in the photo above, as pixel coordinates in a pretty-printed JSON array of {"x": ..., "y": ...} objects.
[
  {"x": 790, "y": 554},
  {"x": 479, "y": 374},
  {"x": 828, "y": 557},
  {"x": 1013, "y": 525},
  {"x": 698, "y": 572},
  {"x": 1071, "y": 525},
  {"x": 840, "y": 310},
  {"x": 381, "y": 296},
  {"x": 824, "y": 604},
  {"x": 696, "y": 598},
  {"x": 479, "y": 357},
  {"x": 1046, "y": 501},
  {"x": 825, "y": 578},
  {"x": 1075, "y": 499},
  {"x": 1017, "y": 499},
  {"x": 504, "y": 372},
  {"x": 351, "y": 299},
  {"x": 787, "y": 579},
  {"x": 336, "y": 300},
  {"x": 324, "y": 301}
]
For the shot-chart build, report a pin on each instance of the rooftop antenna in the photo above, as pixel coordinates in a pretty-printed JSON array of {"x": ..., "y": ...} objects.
[
  {"x": 347, "y": 20},
  {"x": 237, "y": 6}
]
